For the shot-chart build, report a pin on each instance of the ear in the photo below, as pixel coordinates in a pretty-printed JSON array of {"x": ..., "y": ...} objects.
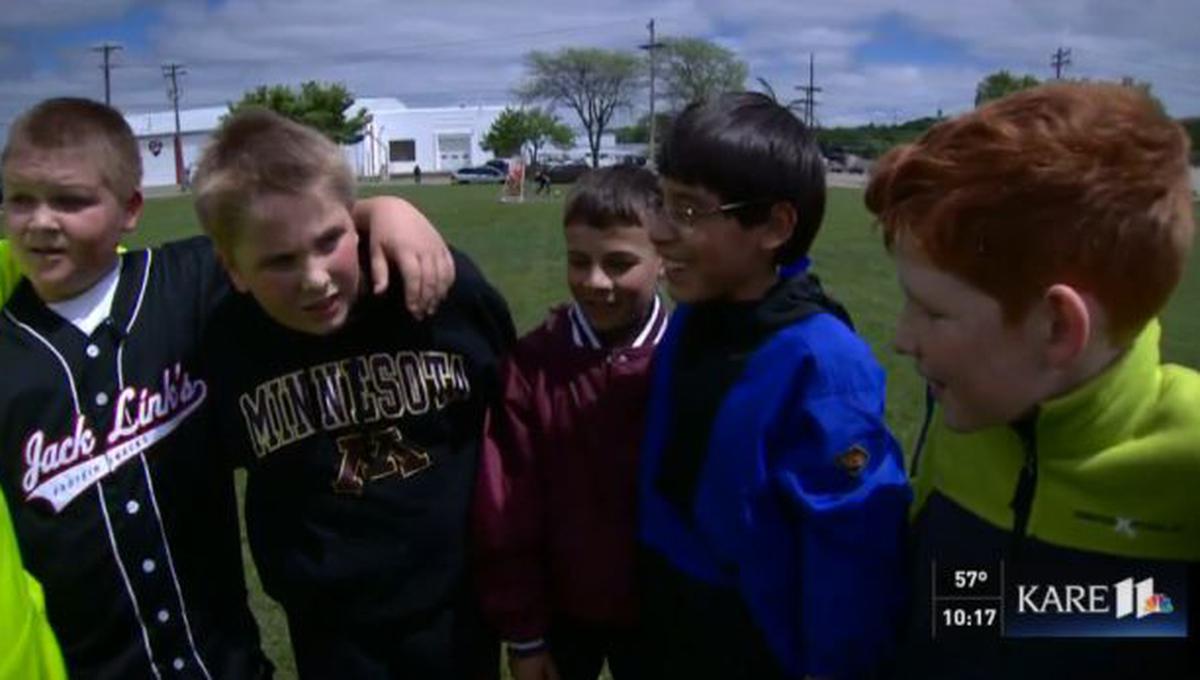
[
  {"x": 1070, "y": 324},
  {"x": 133, "y": 211},
  {"x": 781, "y": 224},
  {"x": 235, "y": 277}
]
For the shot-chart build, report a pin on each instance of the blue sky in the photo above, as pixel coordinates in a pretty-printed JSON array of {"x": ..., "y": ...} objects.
[
  {"x": 897, "y": 39},
  {"x": 876, "y": 60}
]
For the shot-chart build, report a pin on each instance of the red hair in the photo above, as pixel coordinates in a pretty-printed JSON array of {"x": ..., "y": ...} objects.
[{"x": 1082, "y": 184}]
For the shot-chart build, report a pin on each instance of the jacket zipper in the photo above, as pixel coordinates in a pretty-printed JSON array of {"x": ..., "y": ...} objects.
[{"x": 1022, "y": 500}]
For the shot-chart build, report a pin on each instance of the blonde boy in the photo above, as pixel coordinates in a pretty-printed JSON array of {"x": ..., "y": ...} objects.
[
  {"x": 120, "y": 508},
  {"x": 360, "y": 426}
]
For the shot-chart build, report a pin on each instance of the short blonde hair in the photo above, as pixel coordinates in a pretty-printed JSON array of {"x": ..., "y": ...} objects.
[
  {"x": 257, "y": 152},
  {"x": 75, "y": 124},
  {"x": 1086, "y": 184}
]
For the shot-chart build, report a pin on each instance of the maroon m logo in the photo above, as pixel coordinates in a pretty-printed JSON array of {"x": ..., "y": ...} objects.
[{"x": 375, "y": 455}]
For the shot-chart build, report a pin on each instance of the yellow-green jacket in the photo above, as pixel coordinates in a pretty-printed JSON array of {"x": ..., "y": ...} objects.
[
  {"x": 1098, "y": 485},
  {"x": 9, "y": 274},
  {"x": 28, "y": 650}
]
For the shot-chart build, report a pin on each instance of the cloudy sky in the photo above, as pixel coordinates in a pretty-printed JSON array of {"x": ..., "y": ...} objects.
[{"x": 876, "y": 60}]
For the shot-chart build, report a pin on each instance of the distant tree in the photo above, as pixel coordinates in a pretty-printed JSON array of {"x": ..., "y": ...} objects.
[
  {"x": 1192, "y": 125},
  {"x": 517, "y": 130},
  {"x": 1001, "y": 84},
  {"x": 320, "y": 105},
  {"x": 593, "y": 83},
  {"x": 698, "y": 69},
  {"x": 639, "y": 132},
  {"x": 871, "y": 141},
  {"x": 507, "y": 134},
  {"x": 546, "y": 128}
]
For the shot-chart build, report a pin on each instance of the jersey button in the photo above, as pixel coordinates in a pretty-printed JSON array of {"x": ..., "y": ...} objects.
[
  {"x": 101, "y": 399},
  {"x": 177, "y": 664},
  {"x": 163, "y": 616},
  {"x": 132, "y": 507},
  {"x": 148, "y": 566},
  {"x": 92, "y": 351}
]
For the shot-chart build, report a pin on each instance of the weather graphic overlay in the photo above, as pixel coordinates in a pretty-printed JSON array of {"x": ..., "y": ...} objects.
[{"x": 1049, "y": 600}]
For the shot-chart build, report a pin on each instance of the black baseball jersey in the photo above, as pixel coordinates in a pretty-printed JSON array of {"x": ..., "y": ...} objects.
[
  {"x": 122, "y": 510},
  {"x": 361, "y": 446}
]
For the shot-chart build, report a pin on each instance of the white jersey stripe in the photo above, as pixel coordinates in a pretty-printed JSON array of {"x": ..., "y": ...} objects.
[
  {"x": 187, "y": 626},
  {"x": 63, "y": 362}
]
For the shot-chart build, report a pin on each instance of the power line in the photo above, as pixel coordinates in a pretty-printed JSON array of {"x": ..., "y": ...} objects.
[
  {"x": 172, "y": 72},
  {"x": 809, "y": 99},
  {"x": 652, "y": 47},
  {"x": 107, "y": 48},
  {"x": 1060, "y": 60}
]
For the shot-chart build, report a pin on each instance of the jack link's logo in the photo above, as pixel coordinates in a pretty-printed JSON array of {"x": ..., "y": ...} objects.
[
  {"x": 57, "y": 470},
  {"x": 1139, "y": 599}
]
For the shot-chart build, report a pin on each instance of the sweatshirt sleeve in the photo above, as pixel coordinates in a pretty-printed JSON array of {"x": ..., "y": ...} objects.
[
  {"x": 507, "y": 522},
  {"x": 845, "y": 481}
]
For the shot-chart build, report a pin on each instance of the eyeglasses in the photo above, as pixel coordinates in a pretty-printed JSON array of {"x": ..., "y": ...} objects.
[{"x": 688, "y": 216}]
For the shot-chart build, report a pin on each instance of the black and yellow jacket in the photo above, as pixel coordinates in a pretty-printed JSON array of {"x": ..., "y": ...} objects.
[{"x": 1103, "y": 480}]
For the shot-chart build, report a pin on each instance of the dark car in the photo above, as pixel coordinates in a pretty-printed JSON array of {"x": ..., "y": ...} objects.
[
  {"x": 498, "y": 163},
  {"x": 565, "y": 173},
  {"x": 484, "y": 174}
]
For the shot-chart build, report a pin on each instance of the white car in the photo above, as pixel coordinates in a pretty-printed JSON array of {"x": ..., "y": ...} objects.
[{"x": 484, "y": 174}]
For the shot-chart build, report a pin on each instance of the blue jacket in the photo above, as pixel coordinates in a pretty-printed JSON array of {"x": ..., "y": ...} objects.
[{"x": 799, "y": 503}]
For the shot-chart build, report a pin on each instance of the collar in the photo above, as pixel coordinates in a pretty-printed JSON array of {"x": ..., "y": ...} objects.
[
  {"x": 1106, "y": 408},
  {"x": 583, "y": 335},
  {"x": 90, "y": 308},
  {"x": 30, "y": 311}
]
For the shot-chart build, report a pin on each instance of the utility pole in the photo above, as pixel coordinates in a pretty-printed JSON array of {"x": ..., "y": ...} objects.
[
  {"x": 107, "y": 49},
  {"x": 810, "y": 91},
  {"x": 652, "y": 47},
  {"x": 1060, "y": 60},
  {"x": 172, "y": 72}
]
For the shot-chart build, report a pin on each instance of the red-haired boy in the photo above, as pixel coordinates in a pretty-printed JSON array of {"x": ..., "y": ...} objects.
[{"x": 1037, "y": 239}]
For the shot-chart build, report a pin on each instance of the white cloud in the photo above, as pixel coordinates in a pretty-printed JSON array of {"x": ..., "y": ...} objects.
[
  {"x": 60, "y": 12},
  {"x": 472, "y": 51}
]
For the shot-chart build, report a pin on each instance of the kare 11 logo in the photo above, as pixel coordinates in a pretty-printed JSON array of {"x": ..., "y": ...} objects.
[{"x": 1129, "y": 607}]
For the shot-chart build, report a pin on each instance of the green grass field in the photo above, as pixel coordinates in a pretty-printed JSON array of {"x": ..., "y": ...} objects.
[{"x": 520, "y": 249}]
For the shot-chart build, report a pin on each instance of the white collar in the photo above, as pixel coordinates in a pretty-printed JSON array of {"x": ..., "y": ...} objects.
[
  {"x": 583, "y": 335},
  {"x": 90, "y": 308}
]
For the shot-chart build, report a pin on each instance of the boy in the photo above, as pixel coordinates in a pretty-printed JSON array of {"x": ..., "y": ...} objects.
[
  {"x": 360, "y": 427},
  {"x": 772, "y": 495},
  {"x": 1036, "y": 239},
  {"x": 121, "y": 510},
  {"x": 554, "y": 518}
]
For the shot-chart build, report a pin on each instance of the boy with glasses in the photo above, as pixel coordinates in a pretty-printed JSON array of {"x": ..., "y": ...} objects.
[{"x": 772, "y": 495}]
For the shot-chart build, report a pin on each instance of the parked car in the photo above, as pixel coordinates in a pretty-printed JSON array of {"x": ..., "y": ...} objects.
[
  {"x": 498, "y": 163},
  {"x": 565, "y": 173},
  {"x": 484, "y": 174}
]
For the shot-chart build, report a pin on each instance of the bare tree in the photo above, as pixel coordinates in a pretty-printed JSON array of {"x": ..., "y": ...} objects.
[{"x": 593, "y": 83}]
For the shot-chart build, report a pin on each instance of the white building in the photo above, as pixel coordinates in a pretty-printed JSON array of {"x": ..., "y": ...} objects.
[
  {"x": 156, "y": 138},
  {"x": 437, "y": 139},
  {"x": 397, "y": 139}
]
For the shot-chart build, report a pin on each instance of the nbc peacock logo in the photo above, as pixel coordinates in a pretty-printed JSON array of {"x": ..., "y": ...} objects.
[{"x": 1140, "y": 599}]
